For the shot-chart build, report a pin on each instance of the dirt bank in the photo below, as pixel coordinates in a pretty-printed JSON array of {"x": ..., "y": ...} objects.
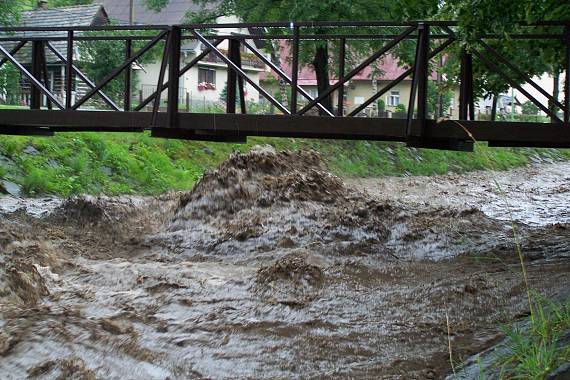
[{"x": 271, "y": 267}]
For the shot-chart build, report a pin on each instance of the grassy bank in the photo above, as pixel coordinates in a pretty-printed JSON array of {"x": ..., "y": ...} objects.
[{"x": 136, "y": 163}]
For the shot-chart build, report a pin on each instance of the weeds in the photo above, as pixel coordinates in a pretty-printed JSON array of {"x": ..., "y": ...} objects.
[{"x": 534, "y": 351}]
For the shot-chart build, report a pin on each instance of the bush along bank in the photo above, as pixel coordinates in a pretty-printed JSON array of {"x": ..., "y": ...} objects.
[{"x": 96, "y": 163}]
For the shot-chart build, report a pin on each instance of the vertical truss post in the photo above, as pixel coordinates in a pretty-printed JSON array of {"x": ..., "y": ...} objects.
[
  {"x": 424, "y": 74},
  {"x": 173, "y": 75},
  {"x": 419, "y": 85},
  {"x": 241, "y": 84},
  {"x": 466, "y": 107},
  {"x": 161, "y": 73},
  {"x": 341, "y": 64},
  {"x": 232, "y": 77},
  {"x": 45, "y": 74},
  {"x": 295, "y": 69},
  {"x": 567, "y": 79},
  {"x": 35, "y": 94},
  {"x": 128, "y": 73},
  {"x": 69, "y": 71}
]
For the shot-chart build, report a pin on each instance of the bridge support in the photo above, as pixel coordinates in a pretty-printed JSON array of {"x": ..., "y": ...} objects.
[
  {"x": 37, "y": 66},
  {"x": 466, "y": 104}
]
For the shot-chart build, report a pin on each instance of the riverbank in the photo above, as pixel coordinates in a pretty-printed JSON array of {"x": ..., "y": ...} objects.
[
  {"x": 114, "y": 164},
  {"x": 271, "y": 267}
]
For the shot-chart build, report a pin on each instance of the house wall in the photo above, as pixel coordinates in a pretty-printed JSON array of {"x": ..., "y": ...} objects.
[
  {"x": 148, "y": 77},
  {"x": 148, "y": 80},
  {"x": 359, "y": 91}
]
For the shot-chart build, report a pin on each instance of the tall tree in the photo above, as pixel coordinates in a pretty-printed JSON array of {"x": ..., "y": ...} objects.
[{"x": 505, "y": 17}]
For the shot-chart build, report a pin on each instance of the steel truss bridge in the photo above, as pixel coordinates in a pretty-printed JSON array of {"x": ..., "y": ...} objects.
[{"x": 298, "y": 119}]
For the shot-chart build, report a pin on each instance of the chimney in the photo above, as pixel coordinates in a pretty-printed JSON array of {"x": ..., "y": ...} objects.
[{"x": 42, "y": 4}]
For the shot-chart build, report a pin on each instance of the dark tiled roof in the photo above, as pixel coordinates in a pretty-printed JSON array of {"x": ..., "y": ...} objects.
[
  {"x": 174, "y": 13},
  {"x": 81, "y": 15}
]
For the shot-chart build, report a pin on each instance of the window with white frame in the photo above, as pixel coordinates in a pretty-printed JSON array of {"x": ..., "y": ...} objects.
[{"x": 394, "y": 98}]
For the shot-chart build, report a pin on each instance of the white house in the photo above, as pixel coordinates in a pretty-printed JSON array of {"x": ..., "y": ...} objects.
[{"x": 204, "y": 83}]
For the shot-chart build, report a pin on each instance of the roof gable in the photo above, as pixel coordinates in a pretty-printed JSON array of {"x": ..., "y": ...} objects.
[
  {"x": 172, "y": 14},
  {"x": 81, "y": 15}
]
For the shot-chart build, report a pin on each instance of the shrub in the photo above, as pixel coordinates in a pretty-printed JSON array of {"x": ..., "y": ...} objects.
[{"x": 400, "y": 108}]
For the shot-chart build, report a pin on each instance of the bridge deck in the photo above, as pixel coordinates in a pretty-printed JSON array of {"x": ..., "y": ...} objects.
[
  {"x": 445, "y": 134},
  {"x": 432, "y": 40}
]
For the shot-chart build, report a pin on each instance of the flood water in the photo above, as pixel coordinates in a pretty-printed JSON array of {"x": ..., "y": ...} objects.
[{"x": 272, "y": 268}]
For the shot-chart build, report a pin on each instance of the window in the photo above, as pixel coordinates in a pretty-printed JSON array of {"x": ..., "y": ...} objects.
[
  {"x": 358, "y": 100},
  {"x": 206, "y": 76},
  {"x": 394, "y": 98},
  {"x": 313, "y": 92}
]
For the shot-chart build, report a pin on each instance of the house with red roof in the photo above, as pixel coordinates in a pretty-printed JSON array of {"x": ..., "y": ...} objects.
[{"x": 361, "y": 87}]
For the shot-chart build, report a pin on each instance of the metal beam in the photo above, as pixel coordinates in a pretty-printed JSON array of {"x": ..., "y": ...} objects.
[
  {"x": 173, "y": 76},
  {"x": 241, "y": 73},
  {"x": 28, "y": 75},
  {"x": 357, "y": 69},
  {"x": 191, "y": 64},
  {"x": 81, "y": 76},
  {"x": 118, "y": 70}
]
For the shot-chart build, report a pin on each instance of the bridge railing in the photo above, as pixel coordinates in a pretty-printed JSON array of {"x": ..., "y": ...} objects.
[{"x": 431, "y": 39}]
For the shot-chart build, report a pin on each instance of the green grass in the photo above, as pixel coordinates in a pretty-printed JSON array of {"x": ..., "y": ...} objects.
[
  {"x": 124, "y": 163},
  {"x": 534, "y": 352}
]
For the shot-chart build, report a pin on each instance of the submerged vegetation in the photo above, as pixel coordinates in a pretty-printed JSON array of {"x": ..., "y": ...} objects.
[{"x": 97, "y": 163}]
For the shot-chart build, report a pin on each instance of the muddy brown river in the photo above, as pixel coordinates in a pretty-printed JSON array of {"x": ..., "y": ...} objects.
[{"x": 273, "y": 268}]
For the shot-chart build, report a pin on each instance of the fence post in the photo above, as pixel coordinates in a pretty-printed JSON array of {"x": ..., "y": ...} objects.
[{"x": 187, "y": 101}]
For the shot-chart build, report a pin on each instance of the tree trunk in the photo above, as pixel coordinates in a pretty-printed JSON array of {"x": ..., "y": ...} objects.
[
  {"x": 555, "y": 92},
  {"x": 320, "y": 63},
  {"x": 276, "y": 60},
  {"x": 494, "y": 107}
]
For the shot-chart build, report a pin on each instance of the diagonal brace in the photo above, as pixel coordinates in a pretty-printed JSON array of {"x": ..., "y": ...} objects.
[
  {"x": 282, "y": 74},
  {"x": 32, "y": 79},
  {"x": 240, "y": 72},
  {"x": 84, "y": 78},
  {"x": 118, "y": 70},
  {"x": 358, "y": 69}
]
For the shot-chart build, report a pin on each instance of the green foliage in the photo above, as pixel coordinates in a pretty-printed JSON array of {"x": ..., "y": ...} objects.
[
  {"x": 9, "y": 12},
  {"x": 381, "y": 105},
  {"x": 529, "y": 108},
  {"x": 108, "y": 163},
  {"x": 434, "y": 92},
  {"x": 67, "y": 3},
  {"x": 99, "y": 58},
  {"x": 9, "y": 83},
  {"x": 534, "y": 351},
  {"x": 400, "y": 108}
]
